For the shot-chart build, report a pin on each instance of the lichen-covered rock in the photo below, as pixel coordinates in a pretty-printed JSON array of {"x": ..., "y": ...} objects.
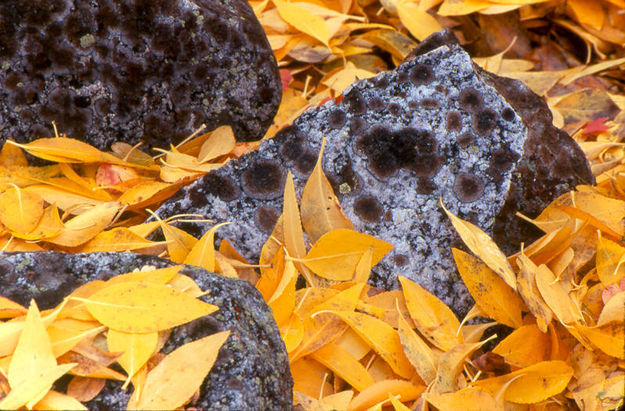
[
  {"x": 252, "y": 369},
  {"x": 131, "y": 70},
  {"x": 436, "y": 127}
]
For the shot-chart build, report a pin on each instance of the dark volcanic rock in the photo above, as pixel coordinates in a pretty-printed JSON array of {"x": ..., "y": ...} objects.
[
  {"x": 252, "y": 370},
  {"x": 131, "y": 70},
  {"x": 436, "y": 127}
]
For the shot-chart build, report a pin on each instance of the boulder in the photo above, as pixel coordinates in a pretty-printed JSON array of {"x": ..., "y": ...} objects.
[
  {"x": 437, "y": 127},
  {"x": 252, "y": 369},
  {"x": 134, "y": 70}
]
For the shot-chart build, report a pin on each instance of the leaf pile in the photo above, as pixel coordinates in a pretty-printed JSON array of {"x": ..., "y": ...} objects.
[{"x": 127, "y": 320}]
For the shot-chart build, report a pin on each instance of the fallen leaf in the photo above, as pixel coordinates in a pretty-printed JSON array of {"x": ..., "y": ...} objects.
[
  {"x": 179, "y": 375},
  {"x": 87, "y": 225},
  {"x": 379, "y": 391},
  {"x": 417, "y": 351},
  {"x": 304, "y": 21},
  {"x": 20, "y": 210},
  {"x": 344, "y": 365},
  {"x": 135, "y": 307}
]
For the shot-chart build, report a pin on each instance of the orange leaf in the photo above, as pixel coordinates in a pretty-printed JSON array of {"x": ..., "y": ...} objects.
[
  {"x": 203, "y": 252},
  {"x": 417, "y": 351},
  {"x": 20, "y": 210},
  {"x": 380, "y": 391},
  {"x": 344, "y": 365},
  {"x": 118, "y": 239},
  {"x": 382, "y": 338},
  {"x": 433, "y": 318},
  {"x": 321, "y": 211},
  {"x": 336, "y": 254},
  {"x": 450, "y": 365},
  {"x": 179, "y": 375},
  {"x": 608, "y": 337},
  {"x": 532, "y": 384},
  {"x": 490, "y": 292},
  {"x": 484, "y": 247},
  {"x": 87, "y": 225},
  {"x": 56, "y": 401},
  {"x": 220, "y": 142},
  {"x": 292, "y": 227},
  {"x": 529, "y": 292},
  {"x": 468, "y": 399},
  {"x": 135, "y": 307},
  {"x": 610, "y": 261},
  {"x": 525, "y": 346}
]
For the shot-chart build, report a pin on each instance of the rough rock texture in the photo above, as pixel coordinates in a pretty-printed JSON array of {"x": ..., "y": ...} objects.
[
  {"x": 436, "y": 127},
  {"x": 252, "y": 370},
  {"x": 131, "y": 70}
]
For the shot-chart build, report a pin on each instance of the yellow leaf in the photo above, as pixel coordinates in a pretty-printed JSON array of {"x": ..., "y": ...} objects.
[
  {"x": 159, "y": 276},
  {"x": 391, "y": 41},
  {"x": 136, "y": 349},
  {"x": 450, "y": 365},
  {"x": 532, "y": 384},
  {"x": 336, "y": 254},
  {"x": 56, "y": 401},
  {"x": 68, "y": 150},
  {"x": 12, "y": 156},
  {"x": 417, "y": 351},
  {"x": 50, "y": 225},
  {"x": 321, "y": 211},
  {"x": 609, "y": 337},
  {"x": 179, "y": 242},
  {"x": 610, "y": 261},
  {"x": 490, "y": 292},
  {"x": 10, "y": 309},
  {"x": 34, "y": 389},
  {"x": 484, "y": 247},
  {"x": 292, "y": 228},
  {"x": 85, "y": 389},
  {"x": 469, "y": 399},
  {"x": 321, "y": 328},
  {"x": 310, "y": 378},
  {"x": 87, "y": 225},
  {"x": 382, "y": 338},
  {"x": 20, "y": 210},
  {"x": 203, "y": 252},
  {"x": 117, "y": 239},
  {"x": 220, "y": 143},
  {"x": 304, "y": 21},
  {"x": 588, "y": 12},
  {"x": 418, "y": 22},
  {"x": 292, "y": 332},
  {"x": 135, "y": 307},
  {"x": 146, "y": 193},
  {"x": 345, "y": 77},
  {"x": 179, "y": 375},
  {"x": 363, "y": 268},
  {"x": 557, "y": 296},
  {"x": 282, "y": 302},
  {"x": 525, "y": 346},
  {"x": 33, "y": 352},
  {"x": 89, "y": 367},
  {"x": 433, "y": 318},
  {"x": 63, "y": 199},
  {"x": 66, "y": 333},
  {"x": 529, "y": 292},
  {"x": 380, "y": 391},
  {"x": 462, "y": 7},
  {"x": 614, "y": 309},
  {"x": 344, "y": 365}
]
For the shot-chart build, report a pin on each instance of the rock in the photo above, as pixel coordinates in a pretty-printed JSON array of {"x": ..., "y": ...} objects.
[
  {"x": 252, "y": 370},
  {"x": 132, "y": 70},
  {"x": 435, "y": 127}
]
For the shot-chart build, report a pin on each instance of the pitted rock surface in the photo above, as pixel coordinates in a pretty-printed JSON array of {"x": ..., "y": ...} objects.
[
  {"x": 252, "y": 369},
  {"x": 131, "y": 70},
  {"x": 435, "y": 127}
]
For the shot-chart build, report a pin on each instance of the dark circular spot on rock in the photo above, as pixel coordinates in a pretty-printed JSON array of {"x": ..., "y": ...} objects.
[
  {"x": 222, "y": 187},
  {"x": 337, "y": 118},
  {"x": 400, "y": 260},
  {"x": 429, "y": 103},
  {"x": 395, "y": 109},
  {"x": 454, "y": 121},
  {"x": 292, "y": 148},
  {"x": 389, "y": 150},
  {"x": 485, "y": 121},
  {"x": 470, "y": 99},
  {"x": 82, "y": 101},
  {"x": 413, "y": 104},
  {"x": 266, "y": 218},
  {"x": 421, "y": 74},
  {"x": 263, "y": 180},
  {"x": 356, "y": 126},
  {"x": 502, "y": 160},
  {"x": 305, "y": 163},
  {"x": 368, "y": 209},
  {"x": 508, "y": 114},
  {"x": 377, "y": 104},
  {"x": 468, "y": 187},
  {"x": 425, "y": 186},
  {"x": 465, "y": 140},
  {"x": 355, "y": 102}
]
